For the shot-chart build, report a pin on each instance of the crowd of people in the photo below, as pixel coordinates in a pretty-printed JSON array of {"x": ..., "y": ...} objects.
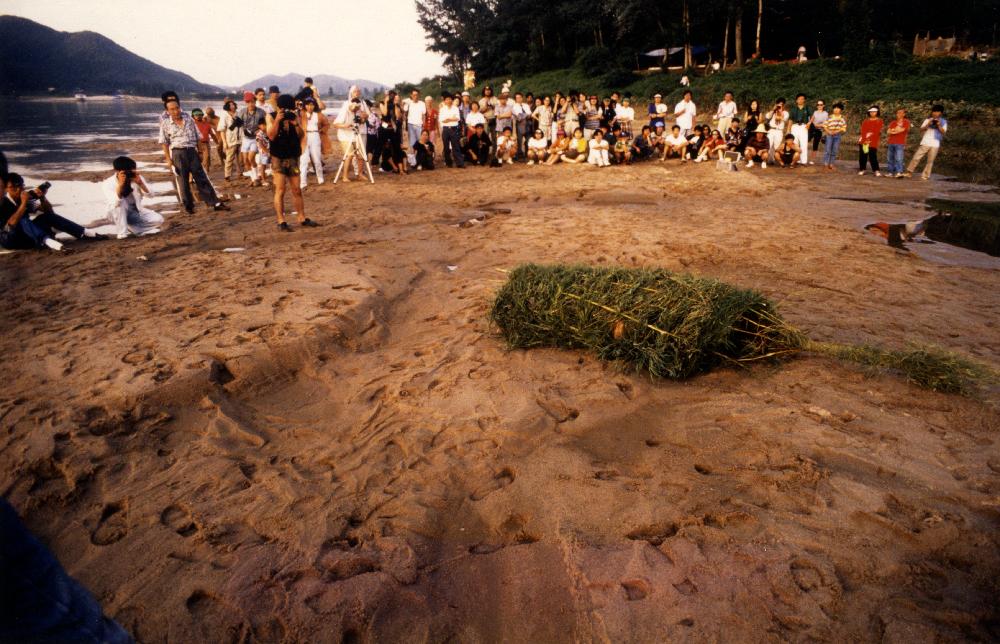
[{"x": 284, "y": 136}]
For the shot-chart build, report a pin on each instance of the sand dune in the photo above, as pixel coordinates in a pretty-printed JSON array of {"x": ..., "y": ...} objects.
[{"x": 321, "y": 439}]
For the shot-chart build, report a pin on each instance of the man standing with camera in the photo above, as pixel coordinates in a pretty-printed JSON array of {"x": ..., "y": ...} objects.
[
  {"x": 179, "y": 139},
  {"x": 934, "y": 129},
  {"x": 287, "y": 141}
]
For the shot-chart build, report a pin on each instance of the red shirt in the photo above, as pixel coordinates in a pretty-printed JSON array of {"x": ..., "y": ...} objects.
[
  {"x": 899, "y": 139},
  {"x": 203, "y": 129},
  {"x": 871, "y": 132}
]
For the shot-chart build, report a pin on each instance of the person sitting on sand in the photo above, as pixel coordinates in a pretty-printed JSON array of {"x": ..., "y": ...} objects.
[
  {"x": 621, "y": 152},
  {"x": 674, "y": 145},
  {"x": 477, "y": 146},
  {"x": 506, "y": 145},
  {"x": 29, "y": 221},
  {"x": 758, "y": 147},
  {"x": 657, "y": 141},
  {"x": 123, "y": 192},
  {"x": 558, "y": 148},
  {"x": 714, "y": 145},
  {"x": 734, "y": 136},
  {"x": 537, "y": 148},
  {"x": 598, "y": 150},
  {"x": 788, "y": 153},
  {"x": 424, "y": 151},
  {"x": 640, "y": 147},
  {"x": 576, "y": 151}
]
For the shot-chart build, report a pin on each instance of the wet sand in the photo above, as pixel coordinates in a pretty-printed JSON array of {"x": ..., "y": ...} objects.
[{"x": 320, "y": 438}]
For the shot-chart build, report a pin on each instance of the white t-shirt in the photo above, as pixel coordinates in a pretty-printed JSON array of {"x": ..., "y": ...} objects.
[
  {"x": 727, "y": 110},
  {"x": 661, "y": 108},
  {"x": 538, "y": 144},
  {"x": 415, "y": 113},
  {"x": 674, "y": 141},
  {"x": 625, "y": 113},
  {"x": 598, "y": 145},
  {"x": 475, "y": 118},
  {"x": 689, "y": 111},
  {"x": 449, "y": 116},
  {"x": 932, "y": 137},
  {"x": 505, "y": 141}
]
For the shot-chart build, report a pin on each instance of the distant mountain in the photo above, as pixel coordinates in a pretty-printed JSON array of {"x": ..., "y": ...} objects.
[
  {"x": 291, "y": 83},
  {"x": 34, "y": 57}
]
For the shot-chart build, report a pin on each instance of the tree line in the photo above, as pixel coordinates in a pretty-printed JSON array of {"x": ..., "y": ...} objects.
[{"x": 496, "y": 37}]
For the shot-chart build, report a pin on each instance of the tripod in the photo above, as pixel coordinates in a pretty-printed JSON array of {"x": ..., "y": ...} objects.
[{"x": 355, "y": 151}]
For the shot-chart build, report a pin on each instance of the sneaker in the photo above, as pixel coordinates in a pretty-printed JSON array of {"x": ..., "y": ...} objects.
[
  {"x": 220, "y": 207},
  {"x": 284, "y": 227},
  {"x": 309, "y": 223},
  {"x": 907, "y": 174},
  {"x": 531, "y": 162},
  {"x": 861, "y": 173},
  {"x": 878, "y": 174},
  {"x": 812, "y": 163},
  {"x": 763, "y": 165},
  {"x": 750, "y": 163},
  {"x": 189, "y": 211},
  {"x": 510, "y": 161}
]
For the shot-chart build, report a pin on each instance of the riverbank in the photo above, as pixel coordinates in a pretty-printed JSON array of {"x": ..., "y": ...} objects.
[{"x": 318, "y": 437}]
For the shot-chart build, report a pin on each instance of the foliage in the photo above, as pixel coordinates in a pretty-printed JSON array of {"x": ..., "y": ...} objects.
[
  {"x": 672, "y": 326},
  {"x": 675, "y": 326}
]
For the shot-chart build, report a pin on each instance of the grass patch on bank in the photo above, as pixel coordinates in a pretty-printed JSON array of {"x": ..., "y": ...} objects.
[{"x": 675, "y": 326}]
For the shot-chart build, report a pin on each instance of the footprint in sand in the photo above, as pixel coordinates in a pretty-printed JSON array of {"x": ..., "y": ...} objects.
[
  {"x": 500, "y": 480},
  {"x": 178, "y": 519},
  {"x": 112, "y": 526}
]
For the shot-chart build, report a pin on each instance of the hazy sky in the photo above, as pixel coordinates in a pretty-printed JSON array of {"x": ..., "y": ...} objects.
[{"x": 228, "y": 42}]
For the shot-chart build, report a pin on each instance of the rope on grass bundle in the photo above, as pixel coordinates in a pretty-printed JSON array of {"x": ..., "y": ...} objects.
[{"x": 670, "y": 325}]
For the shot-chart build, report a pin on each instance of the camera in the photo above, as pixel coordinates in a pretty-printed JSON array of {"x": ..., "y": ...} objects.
[
  {"x": 290, "y": 114},
  {"x": 39, "y": 191}
]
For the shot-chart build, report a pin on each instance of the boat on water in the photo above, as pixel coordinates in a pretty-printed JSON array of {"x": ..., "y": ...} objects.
[{"x": 80, "y": 95}]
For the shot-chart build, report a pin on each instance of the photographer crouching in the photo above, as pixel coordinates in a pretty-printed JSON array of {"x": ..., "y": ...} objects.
[
  {"x": 29, "y": 221},
  {"x": 123, "y": 192},
  {"x": 287, "y": 138}
]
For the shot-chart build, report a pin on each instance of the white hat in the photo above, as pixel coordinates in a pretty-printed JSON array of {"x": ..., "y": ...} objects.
[
  {"x": 873, "y": 108},
  {"x": 466, "y": 94},
  {"x": 657, "y": 95}
]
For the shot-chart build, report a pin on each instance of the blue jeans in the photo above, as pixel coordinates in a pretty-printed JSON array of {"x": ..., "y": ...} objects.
[
  {"x": 41, "y": 603},
  {"x": 31, "y": 233},
  {"x": 895, "y": 158},
  {"x": 832, "y": 147}
]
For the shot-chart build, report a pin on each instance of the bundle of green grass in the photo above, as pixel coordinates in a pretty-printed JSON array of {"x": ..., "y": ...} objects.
[{"x": 675, "y": 326}]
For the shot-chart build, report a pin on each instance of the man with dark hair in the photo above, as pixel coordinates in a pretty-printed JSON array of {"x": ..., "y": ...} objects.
[
  {"x": 123, "y": 192},
  {"x": 29, "y": 221},
  {"x": 287, "y": 138},
  {"x": 477, "y": 147},
  {"x": 800, "y": 116},
  {"x": 934, "y": 128},
  {"x": 271, "y": 106},
  {"x": 179, "y": 140},
  {"x": 451, "y": 132},
  {"x": 166, "y": 97}
]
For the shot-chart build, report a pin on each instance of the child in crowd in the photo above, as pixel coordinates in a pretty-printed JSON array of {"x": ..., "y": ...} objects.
[
  {"x": 899, "y": 129},
  {"x": 640, "y": 148},
  {"x": 758, "y": 147},
  {"x": 674, "y": 145},
  {"x": 734, "y": 136},
  {"x": 506, "y": 146},
  {"x": 537, "y": 148},
  {"x": 477, "y": 145},
  {"x": 598, "y": 150},
  {"x": 620, "y": 151},
  {"x": 263, "y": 152},
  {"x": 833, "y": 128},
  {"x": 559, "y": 147},
  {"x": 871, "y": 133},
  {"x": 576, "y": 151},
  {"x": 714, "y": 145}
]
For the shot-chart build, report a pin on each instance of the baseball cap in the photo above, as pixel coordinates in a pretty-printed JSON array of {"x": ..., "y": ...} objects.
[{"x": 248, "y": 97}]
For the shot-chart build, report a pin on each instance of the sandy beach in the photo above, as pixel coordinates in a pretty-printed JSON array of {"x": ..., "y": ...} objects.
[{"x": 320, "y": 438}]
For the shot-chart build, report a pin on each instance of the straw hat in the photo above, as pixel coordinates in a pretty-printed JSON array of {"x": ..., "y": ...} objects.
[{"x": 761, "y": 129}]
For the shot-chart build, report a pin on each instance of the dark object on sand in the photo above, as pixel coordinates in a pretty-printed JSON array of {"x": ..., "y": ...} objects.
[
  {"x": 670, "y": 325},
  {"x": 40, "y": 602},
  {"x": 971, "y": 225}
]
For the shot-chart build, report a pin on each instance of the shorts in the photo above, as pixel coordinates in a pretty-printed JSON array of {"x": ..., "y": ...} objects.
[
  {"x": 287, "y": 167},
  {"x": 263, "y": 158},
  {"x": 248, "y": 145}
]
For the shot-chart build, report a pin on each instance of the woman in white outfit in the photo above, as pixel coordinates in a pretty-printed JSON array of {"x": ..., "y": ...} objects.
[
  {"x": 315, "y": 124},
  {"x": 598, "y": 150},
  {"x": 344, "y": 124},
  {"x": 123, "y": 196}
]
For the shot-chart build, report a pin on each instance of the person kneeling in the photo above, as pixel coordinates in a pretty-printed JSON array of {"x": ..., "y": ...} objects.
[
  {"x": 787, "y": 154},
  {"x": 28, "y": 219},
  {"x": 123, "y": 192},
  {"x": 537, "y": 148},
  {"x": 598, "y": 150},
  {"x": 424, "y": 151},
  {"x": 477, "y": 146},
  {"x": 758, "y": 147}
]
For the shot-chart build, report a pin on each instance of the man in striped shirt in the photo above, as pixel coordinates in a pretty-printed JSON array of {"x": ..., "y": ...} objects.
[{"x": 179, "y": 138}]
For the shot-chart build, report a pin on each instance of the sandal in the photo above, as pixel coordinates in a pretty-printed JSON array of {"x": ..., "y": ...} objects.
[
  {"x": 284, "y": 227},
  {"x": 309, "y": 223}
]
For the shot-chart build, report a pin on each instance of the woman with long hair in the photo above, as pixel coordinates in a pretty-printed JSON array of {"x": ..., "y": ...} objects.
[
  {"x": 542, "y": 116},
  {"x": 315, "y": 125}
]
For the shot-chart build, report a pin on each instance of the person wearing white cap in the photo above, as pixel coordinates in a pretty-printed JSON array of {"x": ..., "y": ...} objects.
[
  {"x": 871, "y": 134},
  {"x": 657, "y": 112}
]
